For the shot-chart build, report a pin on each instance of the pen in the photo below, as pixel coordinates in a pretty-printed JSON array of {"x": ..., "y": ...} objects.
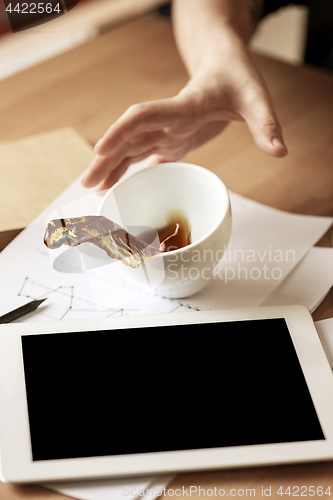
[{"x": 20, "y": 311}]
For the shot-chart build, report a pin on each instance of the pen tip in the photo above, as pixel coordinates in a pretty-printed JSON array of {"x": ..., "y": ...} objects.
[{"x": 39, "y": 302}]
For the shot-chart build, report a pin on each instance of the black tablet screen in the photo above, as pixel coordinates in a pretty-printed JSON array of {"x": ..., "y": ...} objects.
[{"x": 165, "y": 388}]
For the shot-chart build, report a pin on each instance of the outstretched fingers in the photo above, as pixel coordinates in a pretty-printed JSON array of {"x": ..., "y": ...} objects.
[
  {"x": 149, "y": 116},
  {"x": 112, "y": 177},
  {"x": 141, "y": 145}
]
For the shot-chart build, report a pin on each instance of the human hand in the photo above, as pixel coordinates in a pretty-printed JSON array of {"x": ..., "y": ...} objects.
[{"x": 167, "y": 129}]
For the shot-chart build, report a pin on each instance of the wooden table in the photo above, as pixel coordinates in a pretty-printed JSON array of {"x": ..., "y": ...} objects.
[{"x": 89, "y": 87}]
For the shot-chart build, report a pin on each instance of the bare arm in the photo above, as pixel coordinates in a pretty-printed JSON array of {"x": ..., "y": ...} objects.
[
  {"x": 212, "y": 36},
  {"x": 223, "y": 85}
]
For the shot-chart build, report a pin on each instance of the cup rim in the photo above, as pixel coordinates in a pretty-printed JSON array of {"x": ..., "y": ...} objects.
[{"x": 191, "y": 166}]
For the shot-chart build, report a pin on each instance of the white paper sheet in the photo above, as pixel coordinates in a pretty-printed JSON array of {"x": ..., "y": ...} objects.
[
  {"x": 264, "y": 240},
  {"x": 308, "y": 283},
  {"x": 266, "y": 244},
  {"x": 262, "y": 236}
]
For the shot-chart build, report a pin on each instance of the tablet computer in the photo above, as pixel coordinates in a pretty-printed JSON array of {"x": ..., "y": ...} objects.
[{"x": 163, "y": 393}]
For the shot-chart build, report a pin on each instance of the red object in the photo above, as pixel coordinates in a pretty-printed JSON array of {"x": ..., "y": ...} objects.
[{"x": 4, "y": 22}]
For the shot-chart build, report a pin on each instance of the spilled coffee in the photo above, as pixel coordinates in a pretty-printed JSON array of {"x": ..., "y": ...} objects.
[{"x": 115, "y": 240}]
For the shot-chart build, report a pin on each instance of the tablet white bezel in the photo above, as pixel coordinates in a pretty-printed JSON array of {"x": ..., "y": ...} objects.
[{"x": 16, "y": 456}]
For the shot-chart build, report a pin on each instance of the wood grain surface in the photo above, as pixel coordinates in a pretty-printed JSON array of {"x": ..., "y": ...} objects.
[{"x": 90, "y": 87}]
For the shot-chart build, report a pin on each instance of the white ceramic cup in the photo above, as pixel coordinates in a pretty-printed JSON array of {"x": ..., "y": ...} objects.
[{"x": 147, "y": 197}]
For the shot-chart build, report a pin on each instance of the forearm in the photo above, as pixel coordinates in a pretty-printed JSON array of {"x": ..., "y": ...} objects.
[
  {"x": 206, "y": 30},
  {"x": 224, "y": 85}
]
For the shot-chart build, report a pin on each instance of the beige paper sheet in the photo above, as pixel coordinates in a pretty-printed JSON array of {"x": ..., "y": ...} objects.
[{"x": 35, "y": 170}]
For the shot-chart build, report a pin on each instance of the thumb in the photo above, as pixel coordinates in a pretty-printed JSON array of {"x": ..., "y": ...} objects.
[{"x": 266, "y": 129}]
